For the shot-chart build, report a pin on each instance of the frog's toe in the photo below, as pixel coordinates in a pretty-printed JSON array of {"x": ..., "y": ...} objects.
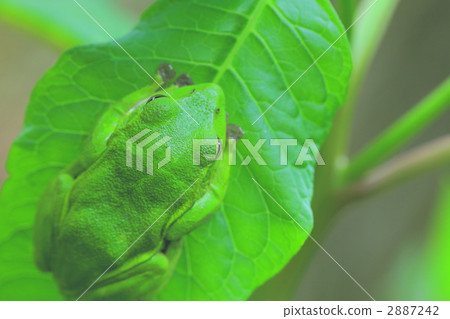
[
  {"x": 234, "y": 131},
  {"x": 166, "y": 72},
  {"x": 183, "y": 80}
]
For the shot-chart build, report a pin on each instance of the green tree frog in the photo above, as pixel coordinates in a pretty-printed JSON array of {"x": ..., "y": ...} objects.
[{"x": 95, "y": 209}]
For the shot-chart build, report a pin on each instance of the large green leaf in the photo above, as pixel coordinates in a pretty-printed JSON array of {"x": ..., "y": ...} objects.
[{"x": 254, "y": 50}]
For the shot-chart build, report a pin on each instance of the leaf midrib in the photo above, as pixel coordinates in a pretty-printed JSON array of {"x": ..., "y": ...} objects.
[{"x": 252, "y": 20}]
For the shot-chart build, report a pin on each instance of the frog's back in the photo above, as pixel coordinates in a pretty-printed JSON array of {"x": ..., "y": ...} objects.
[{"x": 122, "y": 201}]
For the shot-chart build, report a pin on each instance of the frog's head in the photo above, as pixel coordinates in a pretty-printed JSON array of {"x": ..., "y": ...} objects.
[
  {"x": 195, "y": 112},
  {"x": 204, "y": 104}
]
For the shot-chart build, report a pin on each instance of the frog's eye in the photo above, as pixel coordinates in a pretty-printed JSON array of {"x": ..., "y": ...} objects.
[
  {"x": 217, "y": 110},
  {"x": 155, "y": 97}
]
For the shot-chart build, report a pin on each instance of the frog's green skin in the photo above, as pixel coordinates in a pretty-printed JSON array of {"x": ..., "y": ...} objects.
[{"x": 95, "y": 209}]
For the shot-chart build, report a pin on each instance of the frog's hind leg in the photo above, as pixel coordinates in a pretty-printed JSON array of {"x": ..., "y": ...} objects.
[
  {"x": 140, "y": 278},
  {"x": 203, "y": 207},
  {"x": 49, "y": 213}
]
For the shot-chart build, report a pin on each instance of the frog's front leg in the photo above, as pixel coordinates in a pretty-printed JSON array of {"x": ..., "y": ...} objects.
[
  {"x": 204, "y": 206},
  {"x": 115, "y": 116},
  {"x": 49, "y": 213},
  {"x": 140, "y": 278}
]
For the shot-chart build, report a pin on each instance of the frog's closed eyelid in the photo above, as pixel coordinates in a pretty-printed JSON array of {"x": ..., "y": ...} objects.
[{"x": 155, "y": 97}]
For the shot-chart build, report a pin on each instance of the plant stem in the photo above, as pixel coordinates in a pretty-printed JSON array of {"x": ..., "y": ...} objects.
[
  {"x": 418, "y": 161},
  {"x": 366, "y": 39},
  {"x": 400, "y": 132}
]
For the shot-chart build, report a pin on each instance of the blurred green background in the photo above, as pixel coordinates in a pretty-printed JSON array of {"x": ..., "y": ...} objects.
[{"x": 379, "y": 240}]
